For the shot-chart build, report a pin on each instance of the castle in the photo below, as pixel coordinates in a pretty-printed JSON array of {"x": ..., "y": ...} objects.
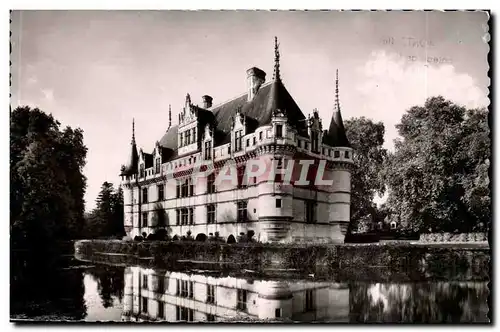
[{"x": 300, "y": 194}]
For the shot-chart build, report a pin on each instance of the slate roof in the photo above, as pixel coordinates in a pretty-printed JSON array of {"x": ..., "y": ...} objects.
[
  {"x": 336, "y": 133},
  {"x": 258, "y": 111}
]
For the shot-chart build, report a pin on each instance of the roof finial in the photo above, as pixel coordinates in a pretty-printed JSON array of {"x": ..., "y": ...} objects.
[
  {"x": 337, "y": 103},
  {"x": 133, "y": 131},
  {"x": 276, "y": 75},
  {"x": 169, "y": 116}
]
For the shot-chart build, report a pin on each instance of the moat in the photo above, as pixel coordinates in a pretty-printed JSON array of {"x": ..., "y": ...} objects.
[{"x": 74, "y": 290}]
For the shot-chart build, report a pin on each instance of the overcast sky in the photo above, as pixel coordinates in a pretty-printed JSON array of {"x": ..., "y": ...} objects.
[{"x": 98, "y": 70}]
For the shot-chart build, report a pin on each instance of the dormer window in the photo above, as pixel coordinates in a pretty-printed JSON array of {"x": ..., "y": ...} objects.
[
  {"x": 238, "y": 138},
  {"x": 208, "y": 150},
  {"x": 188, "y": 137},
  {"x": 141, "y": 171},
  {"x": 279, "y": 131},
  {"x": 314, "y": 142},
  {"x": 181, "y": 139},
  {"x": 336, "y": 154},
  {"x": 346, "y": 154},
  {"x": 194, "y": 135},
  {"x": 157, "y": 165}
]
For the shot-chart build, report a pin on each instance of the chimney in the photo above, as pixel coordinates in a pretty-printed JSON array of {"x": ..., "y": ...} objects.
[
  {"x": 207, "y": 101},
  {"x": 255, "y": 78}
]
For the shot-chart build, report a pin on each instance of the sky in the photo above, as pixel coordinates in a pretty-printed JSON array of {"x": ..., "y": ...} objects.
[{"x": 98, "y": 70}]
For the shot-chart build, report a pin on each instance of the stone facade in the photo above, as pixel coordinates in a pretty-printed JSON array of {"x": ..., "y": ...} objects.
[{"x": 177, "y": 186}]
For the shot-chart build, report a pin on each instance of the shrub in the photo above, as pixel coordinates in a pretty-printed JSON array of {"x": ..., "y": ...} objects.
[
  {"x": 162, "y": 235},
  {"x": 126, "y": 238},
  {"x": 250, "y": 235},
  {"x": 242, "y": 238},
  {"x": 189, "y": 237},
  {"x": 138, "y": 238}
]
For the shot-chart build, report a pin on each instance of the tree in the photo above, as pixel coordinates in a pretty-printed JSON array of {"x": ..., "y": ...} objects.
[
  {"x": 107, "y": 218},
  {"x": 47, "y": 182},
  {"x": 438, "y": 175},
  {"x": 366, "y": 138}
]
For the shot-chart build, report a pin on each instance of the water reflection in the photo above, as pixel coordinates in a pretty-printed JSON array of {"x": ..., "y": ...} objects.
[
  {"x": 107, "y": 293},
  {"x": 430, "y": 302},
  {"x": 173, "y": 296}
]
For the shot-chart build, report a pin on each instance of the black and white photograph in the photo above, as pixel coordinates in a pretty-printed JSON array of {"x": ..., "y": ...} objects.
[{"x": 250, "y": 166}]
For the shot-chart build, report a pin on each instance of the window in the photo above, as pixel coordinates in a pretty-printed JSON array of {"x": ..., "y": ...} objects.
[
  {"x": 184, "y": 216},
  {"x": 241, "y": 177},
  {"x": 242, "y": 299},
  {"x": 157, "y": 165},
  {"x": 299, "y": 143},
  {"x": 278, "y": 203},
  {"x": 185, "y": 188},
  {"x": 278, "y": 178},
  {"x": 279, "y": 131},
  {"x": 323, "y": 151},
  {"x": 211, "y": 294},
  {"x": 182, "y": 140},
  {"x": 191, "y": 216},
  {"x": 228, "y": 149},
  {"x": 177, "y": 189},
  {"x": 254, "y": 140},
  {"x": 336, "y": 154},
  {"x": 346, "y": 154},
  {"x": 190, "y": 293},
  {"x": 314, "y": 142},
  {"x": 186, "y": 288},
  {"x": 144, "y": 219},
  {"x": 141, "y": 171},
  {"x": 145, "y": 195},
  {"x": 238, "y": 137},
  {"x": 184, "y": 314},
  {"x": 280, "y": 163},
  {"x": 211, "y": 214},
  {"x": 211, "y": 183},
  {"x": 144, "y": 281},
  {"x": 310, "y": 212},
  {"x": 242, "y": 211},
  {"x": 161, "y": 192},
  {"x": 161, "y": 309},
  {"x": 161, "y": 285},
  {"x": 309, "y": 305},
  {"x": 208, "y": 150},
  {"x": 329, "y": 153},
  {"x": 248, "y": 142},
  {"x": 260, "y": 136},
  {"x": 188, "y": 137},
  {"x": 277, "y": 312},
  {"x": 306, "y": 145},
  {"x": 178, "y": 217},
  {"x": 210, "y": 318},
  {"x": 191, "y": 187},
  {"x": 144, "y": 304}
]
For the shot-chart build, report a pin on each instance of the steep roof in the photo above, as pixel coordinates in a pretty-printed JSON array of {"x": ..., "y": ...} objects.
[
  {"x": 259, "y": 111},
  {"x": 336, "y": 133},
  {"x": 133, "y": 160}
]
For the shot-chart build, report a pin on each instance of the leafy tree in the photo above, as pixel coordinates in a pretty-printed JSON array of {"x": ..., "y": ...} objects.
[
  {"x": 47, "y": 183},
  {"x": 366, "y": 138},
  {"x": 438, "y": 175}
]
